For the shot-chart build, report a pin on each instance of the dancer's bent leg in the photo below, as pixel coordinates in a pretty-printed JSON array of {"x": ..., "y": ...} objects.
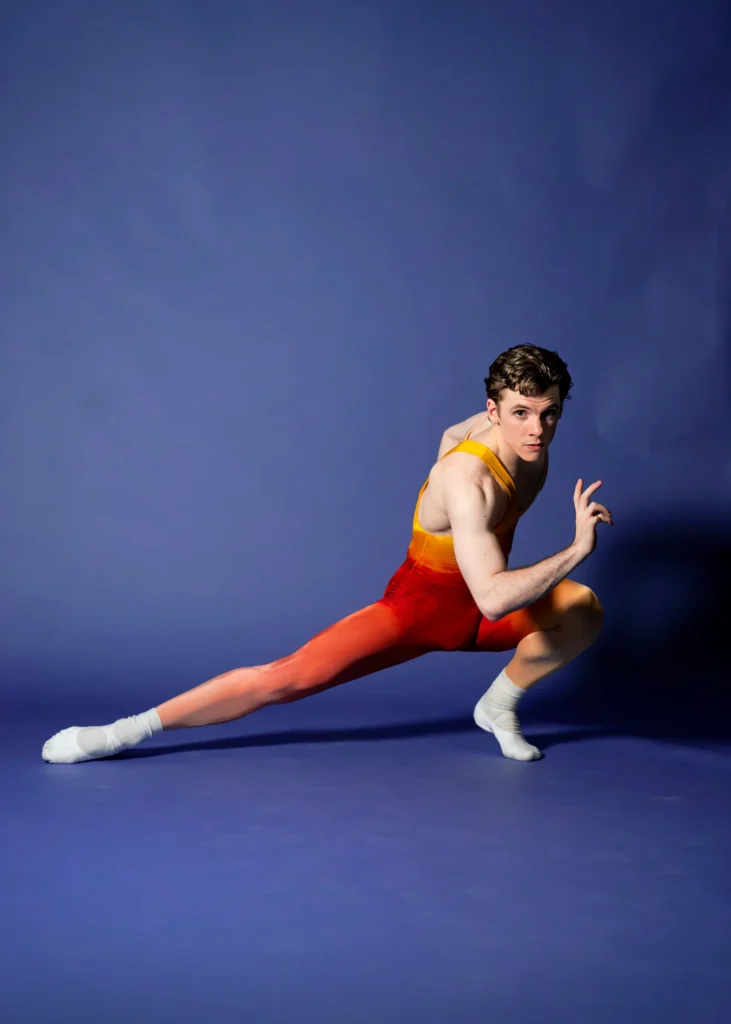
[
  {"x": 564, "y": 623},
  {"x": 365, "y": 642}
]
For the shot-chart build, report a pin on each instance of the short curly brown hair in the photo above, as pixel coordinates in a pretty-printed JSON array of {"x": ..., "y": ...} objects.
[{"x": 530, "y": 370}]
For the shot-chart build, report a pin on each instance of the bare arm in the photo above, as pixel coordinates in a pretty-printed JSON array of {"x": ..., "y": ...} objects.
[
  {"x": 474, "y": 507},
  {"x": 448, "y": 442}
]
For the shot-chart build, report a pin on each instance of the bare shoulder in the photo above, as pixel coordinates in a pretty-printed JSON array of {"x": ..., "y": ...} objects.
[
  {"x": 458, "y": 430},
  {"x": 469, "y": 490}
]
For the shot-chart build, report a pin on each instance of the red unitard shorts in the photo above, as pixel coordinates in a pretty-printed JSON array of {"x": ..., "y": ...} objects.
[{"x": 426, "y": 607}]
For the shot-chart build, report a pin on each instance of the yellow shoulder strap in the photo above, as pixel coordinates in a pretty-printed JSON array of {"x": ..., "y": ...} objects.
[{"x": 491, "y": 460}]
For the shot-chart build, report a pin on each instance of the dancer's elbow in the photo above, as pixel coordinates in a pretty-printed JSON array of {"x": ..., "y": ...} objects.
[
  {"x": 491, "y": 602},
  {"x": 491, "y": 609}
]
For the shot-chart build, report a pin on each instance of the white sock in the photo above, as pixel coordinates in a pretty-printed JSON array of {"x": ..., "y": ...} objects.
[
  {"x": 84, "y": 744},
  {"x": 495, "y": 713}
]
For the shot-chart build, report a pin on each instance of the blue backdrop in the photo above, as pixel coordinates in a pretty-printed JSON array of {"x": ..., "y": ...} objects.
[{"x": 257, "y": 256}]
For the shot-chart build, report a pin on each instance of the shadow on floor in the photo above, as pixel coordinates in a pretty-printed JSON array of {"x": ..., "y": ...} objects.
[{"x": 363, "y": 734}]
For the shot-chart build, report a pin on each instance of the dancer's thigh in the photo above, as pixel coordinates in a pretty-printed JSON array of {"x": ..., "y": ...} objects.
[{"x": 364, "y": 642}]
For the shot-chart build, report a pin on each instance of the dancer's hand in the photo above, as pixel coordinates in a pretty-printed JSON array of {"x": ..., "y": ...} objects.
[{"x": 588, "y": 514}]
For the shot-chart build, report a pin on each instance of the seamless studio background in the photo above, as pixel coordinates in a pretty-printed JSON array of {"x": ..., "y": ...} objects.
[{"x": 257, "y": 256}]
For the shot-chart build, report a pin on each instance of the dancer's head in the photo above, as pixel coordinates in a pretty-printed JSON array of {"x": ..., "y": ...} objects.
[{"x": 526, "y": 390}]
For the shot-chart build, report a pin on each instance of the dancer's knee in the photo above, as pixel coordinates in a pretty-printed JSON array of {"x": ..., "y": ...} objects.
[
  {"x": 290, "y": 679},
  {"x": 573, "y": 607},
  {"x": 584, "y": 614}
]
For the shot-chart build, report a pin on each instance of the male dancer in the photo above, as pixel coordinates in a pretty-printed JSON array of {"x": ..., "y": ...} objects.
[{"x": 454, "y": 591}]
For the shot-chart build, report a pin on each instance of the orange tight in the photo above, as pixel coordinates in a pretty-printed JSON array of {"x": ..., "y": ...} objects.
[{"x": 421, "y": 611}]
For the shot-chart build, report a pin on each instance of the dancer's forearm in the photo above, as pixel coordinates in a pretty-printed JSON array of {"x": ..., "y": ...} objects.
[{"x": 513, "y": 589}]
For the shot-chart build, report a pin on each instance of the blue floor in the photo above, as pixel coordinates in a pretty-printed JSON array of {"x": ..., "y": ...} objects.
[{"x": 300, "y": 866}]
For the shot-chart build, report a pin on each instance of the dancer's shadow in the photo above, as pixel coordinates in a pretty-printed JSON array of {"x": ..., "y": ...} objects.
[
  {"x": 360, "y": 734},
  {"x": 659, "y": 670}
]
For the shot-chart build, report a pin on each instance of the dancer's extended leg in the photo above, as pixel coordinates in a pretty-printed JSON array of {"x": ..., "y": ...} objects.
[
  {"x": 365, "y": 642},
  {"x": 566, "y": 621}
]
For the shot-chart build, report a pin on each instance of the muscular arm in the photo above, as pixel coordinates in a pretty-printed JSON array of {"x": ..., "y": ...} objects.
[{"x": 474, "y": 507}]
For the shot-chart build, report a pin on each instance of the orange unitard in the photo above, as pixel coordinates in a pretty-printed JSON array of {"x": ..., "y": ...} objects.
[{"x": 427, "y": 606}]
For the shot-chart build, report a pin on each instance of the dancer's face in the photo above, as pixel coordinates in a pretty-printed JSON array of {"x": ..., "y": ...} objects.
[{"x": 527, "y": 424}]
